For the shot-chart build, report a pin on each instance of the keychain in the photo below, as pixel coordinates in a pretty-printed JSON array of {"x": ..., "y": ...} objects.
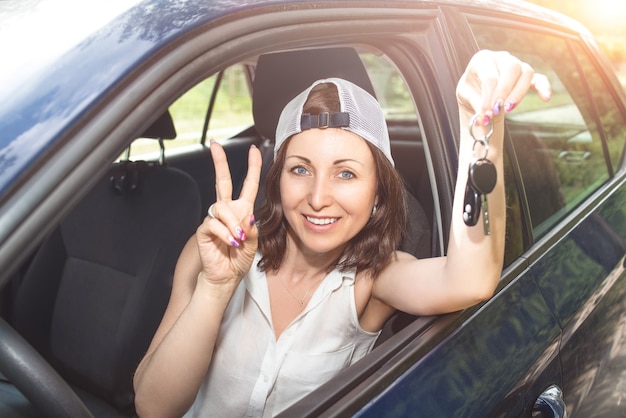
[{"x": 481, "y": 180}]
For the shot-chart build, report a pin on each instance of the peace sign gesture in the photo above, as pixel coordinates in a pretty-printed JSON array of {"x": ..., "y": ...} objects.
[{"x": 228, "y": 238}]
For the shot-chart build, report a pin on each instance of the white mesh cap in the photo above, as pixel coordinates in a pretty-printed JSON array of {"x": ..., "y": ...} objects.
[{"x": 360, "y": 113}]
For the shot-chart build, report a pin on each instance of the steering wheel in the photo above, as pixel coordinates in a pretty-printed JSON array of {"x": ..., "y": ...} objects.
[{"x": 36, "y": 379}]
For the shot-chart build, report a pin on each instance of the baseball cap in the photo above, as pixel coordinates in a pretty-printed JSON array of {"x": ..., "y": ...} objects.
[{"x": 360, "y": 113}]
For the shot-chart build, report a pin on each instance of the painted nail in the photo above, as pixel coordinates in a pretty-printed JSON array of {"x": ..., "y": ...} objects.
[
  {"x": 240, "y": 234},
  {"x": 497, "y": 108},
  {"x": 509, "y": 107},
  {"x": 252, "y": 220},
  {"x": 486, "y": 120},
  {"x": 233, "y": 241}
]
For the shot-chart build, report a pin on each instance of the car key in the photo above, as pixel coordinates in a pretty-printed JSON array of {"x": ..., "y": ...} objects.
[{"x": 483, "y": 176}]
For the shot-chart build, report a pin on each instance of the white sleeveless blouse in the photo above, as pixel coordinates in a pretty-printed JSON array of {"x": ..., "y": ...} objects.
[{"x": 254, "y": 375}]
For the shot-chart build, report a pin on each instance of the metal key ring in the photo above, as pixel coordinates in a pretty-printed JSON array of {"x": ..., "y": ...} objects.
[
  {"x": 485, "y": 143},
  {"x": 472, "y": 124}
]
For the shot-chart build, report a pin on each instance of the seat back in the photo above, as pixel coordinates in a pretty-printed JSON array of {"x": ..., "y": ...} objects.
[{"x": 97, "y": 288}]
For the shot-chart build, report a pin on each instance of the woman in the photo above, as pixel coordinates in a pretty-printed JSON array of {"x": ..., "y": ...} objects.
[{"x": 261, "y": 314}]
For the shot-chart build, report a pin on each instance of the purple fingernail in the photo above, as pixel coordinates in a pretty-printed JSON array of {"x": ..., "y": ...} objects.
[
  {"x": 240, "y": 234},
  {"x": 509, "y": 107},
  {"x": 497, "y": 108},
  {"x": 252, "y": 220},
  {"x": 233, "y": 241}
]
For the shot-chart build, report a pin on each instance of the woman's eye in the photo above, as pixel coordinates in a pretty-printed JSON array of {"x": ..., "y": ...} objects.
[
  {"x": 346, "y": 175},
  {"x": 299, "y": 170}
]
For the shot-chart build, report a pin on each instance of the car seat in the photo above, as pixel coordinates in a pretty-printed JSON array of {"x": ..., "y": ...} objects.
[{"x": 97, "y": 287}]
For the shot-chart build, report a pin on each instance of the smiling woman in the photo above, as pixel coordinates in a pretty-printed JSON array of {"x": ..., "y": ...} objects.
[{"x": 88, "y": 245}]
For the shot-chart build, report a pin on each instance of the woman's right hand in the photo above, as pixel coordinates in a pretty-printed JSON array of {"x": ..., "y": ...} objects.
[{"x": 228, "y": 238}]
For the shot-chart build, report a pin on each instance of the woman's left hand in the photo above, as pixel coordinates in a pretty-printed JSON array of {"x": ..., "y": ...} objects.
[{"x": 495, "y": 82}]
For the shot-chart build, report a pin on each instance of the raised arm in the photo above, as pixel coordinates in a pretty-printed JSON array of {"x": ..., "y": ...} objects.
[
  {"x": 492, "y": 85},
  {"x": 208, "y": 271}
]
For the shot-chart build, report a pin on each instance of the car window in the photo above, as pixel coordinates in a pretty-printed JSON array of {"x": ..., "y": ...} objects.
[
  {"x": 558, "y": 145},
  {"x": 232, "y": 109},
  {"x": 611, "y": 115},
  {"x": 390, "y": 88},
  {"x": 232, "y": 112},
  {"x": 229, "y": 94}
]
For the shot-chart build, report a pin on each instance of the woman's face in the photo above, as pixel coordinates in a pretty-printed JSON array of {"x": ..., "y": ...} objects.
[{"x": 328, "y": 188}]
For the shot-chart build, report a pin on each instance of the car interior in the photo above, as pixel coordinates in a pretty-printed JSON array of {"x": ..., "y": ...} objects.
[{"x": 91, "y": 297}]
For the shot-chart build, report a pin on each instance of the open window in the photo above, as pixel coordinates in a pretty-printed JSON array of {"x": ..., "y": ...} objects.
[
  {"x": 219, "y": 107},
  {"x": 559, "y": 146}
]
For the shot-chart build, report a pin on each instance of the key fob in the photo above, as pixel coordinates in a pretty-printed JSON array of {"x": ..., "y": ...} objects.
[{"x": 483, "y": 175}]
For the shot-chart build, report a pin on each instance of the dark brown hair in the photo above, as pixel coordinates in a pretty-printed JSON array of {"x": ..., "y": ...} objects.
[{"x": 372, "y": 248}]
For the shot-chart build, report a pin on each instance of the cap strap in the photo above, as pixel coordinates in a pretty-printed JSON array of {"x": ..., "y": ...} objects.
[{"x": 325, "y": 120}]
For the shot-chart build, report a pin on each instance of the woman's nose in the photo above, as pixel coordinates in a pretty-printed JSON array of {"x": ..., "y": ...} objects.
[{"x": 320, "y": 194}]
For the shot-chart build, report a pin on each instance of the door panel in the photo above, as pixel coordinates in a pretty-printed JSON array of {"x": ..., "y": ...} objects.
[
  {"x": 480, "y": 368},
  {"x": 584, "y": 281}
]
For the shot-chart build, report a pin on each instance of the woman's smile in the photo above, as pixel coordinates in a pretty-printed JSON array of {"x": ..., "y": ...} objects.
[{"x": 321, "y": 221}]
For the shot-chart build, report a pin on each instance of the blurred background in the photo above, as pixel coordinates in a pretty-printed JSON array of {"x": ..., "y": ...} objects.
[{"x": 606, "y": 19}]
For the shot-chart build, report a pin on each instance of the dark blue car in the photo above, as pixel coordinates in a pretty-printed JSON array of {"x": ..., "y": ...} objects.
[{"x": 106, "y": 110}]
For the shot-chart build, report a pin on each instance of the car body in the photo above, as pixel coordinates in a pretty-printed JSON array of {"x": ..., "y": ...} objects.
[{"x": 552, "y": 337}]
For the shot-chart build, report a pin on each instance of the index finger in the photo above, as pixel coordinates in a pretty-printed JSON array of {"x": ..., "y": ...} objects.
[
  {"x": 253, "y": 176},
  {"x": 487, "y": 73},
  {"x": 223, "y": 181},
  {"x": 477, "y": 86}
]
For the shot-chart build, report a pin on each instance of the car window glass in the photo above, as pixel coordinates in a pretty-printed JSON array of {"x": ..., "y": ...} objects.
[
  {"x": 558, "y": 144},
  {"x": 390, "y": 88},
  {"x": 231, "y": 112},
  {"x": 611, "y": 115}
]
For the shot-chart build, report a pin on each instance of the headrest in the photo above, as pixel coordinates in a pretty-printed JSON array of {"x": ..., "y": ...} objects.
[
  {"x": 162, "y": 128},
  {"x": 281, "y": 76}
]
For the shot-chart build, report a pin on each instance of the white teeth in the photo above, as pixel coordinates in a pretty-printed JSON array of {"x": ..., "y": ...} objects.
[{"x": 321, "y": 221}]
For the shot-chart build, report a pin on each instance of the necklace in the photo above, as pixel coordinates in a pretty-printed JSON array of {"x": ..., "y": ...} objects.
[{"x": 297, "y": 299}]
